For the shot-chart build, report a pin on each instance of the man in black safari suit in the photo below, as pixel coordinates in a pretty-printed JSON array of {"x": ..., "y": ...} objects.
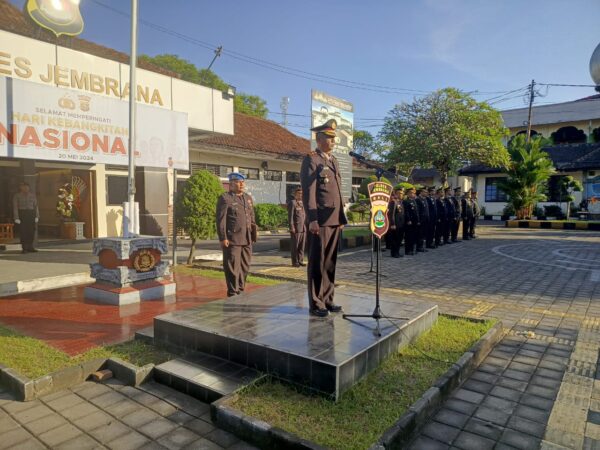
[
  {"x": 411, "y": 222},
  {"x": 296, "y": 219},
  {"x": 396, "y": 217},
  {"x": 467, "y": 214},
  {"x": 236, "y": 228},
  {"x": 430, "y": 237},
  {"x": 322, "y": 196}
]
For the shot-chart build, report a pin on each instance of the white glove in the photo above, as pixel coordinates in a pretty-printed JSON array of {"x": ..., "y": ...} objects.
[
  {"x": 37, "y": 219},
  {"x": 17, "y": 221}
]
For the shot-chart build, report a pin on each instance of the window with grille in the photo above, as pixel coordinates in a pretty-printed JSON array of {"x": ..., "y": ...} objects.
[
  {"x": 220, "y": 171},
  {"x": 273, "y": 175},
  {"x": 492, "y": 192},
  {"x": 292, "y": 177},
  {"x": 250, "y": 174}
]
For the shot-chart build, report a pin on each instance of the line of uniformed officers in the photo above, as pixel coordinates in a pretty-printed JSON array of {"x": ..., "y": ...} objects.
[{"x": 426, "y": 218}]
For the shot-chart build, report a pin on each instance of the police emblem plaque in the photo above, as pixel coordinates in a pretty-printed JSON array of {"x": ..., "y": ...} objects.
[{"x": 379, "y": 195}]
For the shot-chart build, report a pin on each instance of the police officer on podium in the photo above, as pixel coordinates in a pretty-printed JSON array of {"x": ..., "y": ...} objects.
[
  {"x": 236, "y": 228},
  {"x": 296, "y": 219},
  {"x": 322, "y": 197}
]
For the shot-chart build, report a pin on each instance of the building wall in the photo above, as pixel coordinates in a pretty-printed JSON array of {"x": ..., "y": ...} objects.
[{"x": 546, "y": 130}]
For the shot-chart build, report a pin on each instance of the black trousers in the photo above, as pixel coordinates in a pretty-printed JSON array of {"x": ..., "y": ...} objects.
[
  {"x": 454, "y": 225},
  {"x": 236, "y": 263},
  {"x": 298, "y": 243},
  {"x": 472, "y": 226},
  {"x": 322, "y": 259},
  {"x": 448, "y": 230},
  {"x": 439, "y": 232},
  {"x": 396, "y": 237},
  {"x": 430, "y": 236},
  {"x": 411, "y": 233},
  {"x": 27, "y": 228},
  {"x": 420, "y": 237}
]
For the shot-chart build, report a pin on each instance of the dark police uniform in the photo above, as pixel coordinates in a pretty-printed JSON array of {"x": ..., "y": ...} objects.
[
  {"x": 423, "y": 222},
  {"x": 25, "y": 210},
  {"x": 236, "y": 223},
  {"x": 430, "y": 237},
  {"x": 396, "y": 216},
  {"x": 297, "y": 221},
  {"x": 457, "y": 217},
  {"x": 322, "y": 196},
  {"x": 467, "y": 216},
  {"x": 476, "y": 214},
  {"x": 411, "y": 225},
  {"x": 442, "y": 223},
  {"x": 450, "y": 218}
]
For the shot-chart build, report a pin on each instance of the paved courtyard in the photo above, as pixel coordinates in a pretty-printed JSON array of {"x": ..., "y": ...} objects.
[{"x": 539, "y": 388}]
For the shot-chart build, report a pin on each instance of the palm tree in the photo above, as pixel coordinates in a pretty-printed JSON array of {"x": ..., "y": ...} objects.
[{"x": 528, "y": 171}]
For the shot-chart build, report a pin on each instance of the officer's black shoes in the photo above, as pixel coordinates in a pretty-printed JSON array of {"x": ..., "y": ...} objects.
[
  {"x": 34, "y": 250},
  {"x": 410, "y": 253},
  {"x": 431, "y": 246},
  {"x": 303, "y": 264},
  {"x": 421, "y": 250},
  {"x": 24, "y": 251},
  {"x": 295, "y": 265},
  {"x": 334, "y": 308},
  {"x": 319, "y": 312}
]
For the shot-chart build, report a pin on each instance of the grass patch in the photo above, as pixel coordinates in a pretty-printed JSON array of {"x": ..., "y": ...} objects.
[
  {"x": 373, "y": 405},
  {"x": 355, "y": 231},
  {"x": 218, "y": 275},
  {"x": 34, "y": 358}
]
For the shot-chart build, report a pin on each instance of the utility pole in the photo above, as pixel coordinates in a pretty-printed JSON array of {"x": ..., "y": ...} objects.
[
  {"x": 218, "y": 52},
  {"x": 285, "y": 101},
  {"x": 531, "y": 98}
]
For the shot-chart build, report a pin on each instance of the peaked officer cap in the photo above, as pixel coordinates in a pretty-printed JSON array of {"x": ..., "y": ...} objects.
[{"x": 328, "y": 128}]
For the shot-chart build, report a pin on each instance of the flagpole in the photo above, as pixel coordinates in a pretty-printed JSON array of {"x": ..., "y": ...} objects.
[{"x": 133, "y": 221}]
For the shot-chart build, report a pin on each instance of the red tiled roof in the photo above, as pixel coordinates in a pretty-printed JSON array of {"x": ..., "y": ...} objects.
[
  {"x": 13, "y": 20},
  {"x": 254, "y": 134}
]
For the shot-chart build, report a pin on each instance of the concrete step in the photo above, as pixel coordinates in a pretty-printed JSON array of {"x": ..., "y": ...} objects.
[
  {"x": 145, "y": 335},
  {"x": 205, "y": 377}
]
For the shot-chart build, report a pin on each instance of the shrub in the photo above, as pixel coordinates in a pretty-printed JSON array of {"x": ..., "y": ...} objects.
[
  {"x": 353, "y": 216},
  {"x": 404, "y": 185},
  {"x": 482, "y": 211},
  {"x": 538, "y": 211},
  {"x": 508, "y": 210},
  {"x": 196, "y": 207},
  {"x": 270, "y": 216},
  {"x": 553, "y": 211},
  {"x": 364, "y": 190}
]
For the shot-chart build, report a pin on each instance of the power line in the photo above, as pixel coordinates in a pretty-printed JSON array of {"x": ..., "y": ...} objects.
[{"x": 281, "y": 68}]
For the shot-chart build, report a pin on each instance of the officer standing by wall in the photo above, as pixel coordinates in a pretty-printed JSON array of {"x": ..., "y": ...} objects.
[
  {"x": 430, "y": 199},
  {"x": 396, "y": 215},
  {"x": 467, "y": 215},
  {"x": 411, "y": 221},
  {"x": 450, "y": 215},
  {"x": 476, "y": 214},
  {"x": 297, "y": 221},
  {"x": 236, "y": 228},
  {"x": 26, "y": 214},
  {"x": 322, "y": 196}
]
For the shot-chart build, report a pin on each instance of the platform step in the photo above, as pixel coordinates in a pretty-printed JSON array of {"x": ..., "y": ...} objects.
[
  {"x": 145, "y": 335},
  {"x": 205, "y": 377}
]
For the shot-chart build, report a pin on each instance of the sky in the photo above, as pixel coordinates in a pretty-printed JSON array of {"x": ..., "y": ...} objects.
[{"x": 388, "y": 51}]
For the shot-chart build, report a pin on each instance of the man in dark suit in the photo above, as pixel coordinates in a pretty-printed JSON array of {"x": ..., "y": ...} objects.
[
  {"x": 450, "y": 215},
  {"x": 396, "y": 216},
  {"x": 296, "y": 219},
  {"x": 322, "y": 196},
  {"x": 411, "y": 221},
  {"x": 467, "y": 215},
  {"x": 236, "y": 228},
  {"x": 26, "y": 214},
  {"x": 457, "y": 214},
  {"x": 430, "y": 236},
  {"x": 423, "y": 209},
  {"x": 441, "y": 224}
]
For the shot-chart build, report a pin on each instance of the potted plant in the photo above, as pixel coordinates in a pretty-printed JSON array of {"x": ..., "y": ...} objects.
[{"x": 67, "y": 207}]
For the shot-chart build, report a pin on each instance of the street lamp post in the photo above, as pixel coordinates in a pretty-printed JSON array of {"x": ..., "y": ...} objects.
[{"x": 131, "y": 225}]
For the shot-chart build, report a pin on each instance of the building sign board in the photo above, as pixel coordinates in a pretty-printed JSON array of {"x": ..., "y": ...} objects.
[
  {"x": 325, "y": 107},
  {"x": 49, "y": 123}
]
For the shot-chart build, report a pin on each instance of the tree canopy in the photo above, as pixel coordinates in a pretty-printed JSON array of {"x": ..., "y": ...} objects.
[
  {"x": 365, "y": 144},
  {"x": 444, "y": 130},
  {"x": 252, "y": 105},
  {"x": 528, "y": 172}
]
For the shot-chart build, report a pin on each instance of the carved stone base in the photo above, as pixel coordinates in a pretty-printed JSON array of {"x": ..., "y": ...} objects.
[{"x": 153, "y": 290}]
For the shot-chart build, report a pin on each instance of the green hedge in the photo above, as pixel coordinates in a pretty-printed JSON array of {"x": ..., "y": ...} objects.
[{"x": 270, "y": 216}]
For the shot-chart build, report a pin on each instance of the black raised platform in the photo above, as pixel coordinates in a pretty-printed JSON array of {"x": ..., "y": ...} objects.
[{"x": 271, "y": 330}]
